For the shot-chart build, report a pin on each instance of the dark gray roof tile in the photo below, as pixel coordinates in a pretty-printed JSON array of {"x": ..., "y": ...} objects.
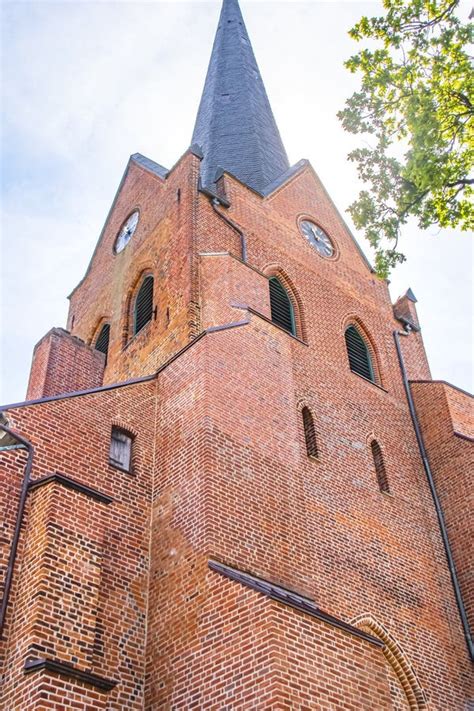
[{"x": 235, "y": 125}]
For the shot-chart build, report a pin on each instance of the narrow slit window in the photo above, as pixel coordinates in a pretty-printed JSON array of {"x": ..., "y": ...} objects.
[
  {"x": 281, "y": 307},
  {"x": 143, "y": 311},
  {"x": 102, "y": 342},
  {"x": 358, "y": 353},
  {"x": 379, "y": 464},
  {"x": 121, "y": 449},
  {"x": 309, "y": 433}
]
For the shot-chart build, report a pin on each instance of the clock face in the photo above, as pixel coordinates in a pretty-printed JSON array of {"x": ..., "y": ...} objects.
[
  {"x": 317, "y": 238},
  {"x": 126, "y": 232}
]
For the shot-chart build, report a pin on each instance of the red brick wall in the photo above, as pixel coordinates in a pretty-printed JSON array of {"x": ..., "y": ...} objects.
[
  {"x": 221, "y": 468},
  {"x": 255, "y": 653},
  {"x": 162, "y": 247},
  {"x": 235, "y": 484},
  {"x": 414, "y": 357},
  {"x": 63, "y": 363},
  {"x": 445, "y": 412},
  {"x": 79, "y": 589},
  {"x": 12, "y": 468},
  {"x": 62, "y": 574}
]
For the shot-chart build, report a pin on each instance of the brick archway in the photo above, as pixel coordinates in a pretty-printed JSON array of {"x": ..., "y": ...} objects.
[{"x": 397, "y": 659}]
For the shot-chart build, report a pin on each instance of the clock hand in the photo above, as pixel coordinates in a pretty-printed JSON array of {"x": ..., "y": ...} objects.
[{"x": 313, "y": 230}]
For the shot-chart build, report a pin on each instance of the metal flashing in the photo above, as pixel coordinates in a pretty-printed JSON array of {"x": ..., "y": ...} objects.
[
  {"x": 56, "y": 666},
  {"x": 150, "y": 165},
  {"x": 69, "y": 483},
  {"x": 291, "y": 598}
]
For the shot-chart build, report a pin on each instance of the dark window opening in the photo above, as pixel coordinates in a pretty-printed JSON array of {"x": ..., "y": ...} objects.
[
  {"x": 121, "y": 449},
  {"x": 379, "y": 464},
  {"x": 281, "y": 307},
  {"x": 360, "y": 361},
  {"x": 309, "y": 433},
  {"x": 102, "y": 342},
  {"x": 143, "y": 311}
]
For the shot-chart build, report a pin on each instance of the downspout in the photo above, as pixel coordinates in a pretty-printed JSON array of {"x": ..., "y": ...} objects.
[
  {"x": 434, "y": 494},
  {"x": 215, "y": 202},
  {"x": 19, "y": 520}
]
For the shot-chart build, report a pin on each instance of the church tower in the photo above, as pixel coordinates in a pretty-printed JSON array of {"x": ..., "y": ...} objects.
[{"x": 233, "y": 484}]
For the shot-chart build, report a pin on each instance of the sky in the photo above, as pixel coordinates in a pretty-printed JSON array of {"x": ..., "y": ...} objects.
[{"x": 86, "y": 84}]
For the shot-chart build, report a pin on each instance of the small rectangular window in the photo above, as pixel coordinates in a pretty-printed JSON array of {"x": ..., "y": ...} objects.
[{"x": 121, "y": 449}]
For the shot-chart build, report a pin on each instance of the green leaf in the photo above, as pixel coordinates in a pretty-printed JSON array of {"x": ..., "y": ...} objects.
[{"x": 416, "y": 95}]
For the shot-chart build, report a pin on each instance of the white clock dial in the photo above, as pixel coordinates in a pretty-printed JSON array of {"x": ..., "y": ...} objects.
[
  {"x": 126, "y": 232},
  {"x": 317, "y": 238}
]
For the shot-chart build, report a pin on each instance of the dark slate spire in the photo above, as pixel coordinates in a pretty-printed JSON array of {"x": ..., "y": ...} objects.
[{"x": 235, "y": 126}]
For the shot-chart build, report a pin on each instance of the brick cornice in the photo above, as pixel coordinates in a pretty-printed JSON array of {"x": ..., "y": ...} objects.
[
  {"x": 69, "y": 671},
  {"x": 69, "y": 483},
  {"x": 441, "y": 382}
]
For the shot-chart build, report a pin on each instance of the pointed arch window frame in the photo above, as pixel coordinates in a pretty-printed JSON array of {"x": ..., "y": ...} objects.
[
  {"x": 99, "y": 334},
  {"x": 281, "y": 286},
  {"x": 145, "y": 277},
  {"x": 371, "y": 363}
]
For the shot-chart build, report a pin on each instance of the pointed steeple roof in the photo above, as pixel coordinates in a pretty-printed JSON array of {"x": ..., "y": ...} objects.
[{"x": 235, "y": 126}]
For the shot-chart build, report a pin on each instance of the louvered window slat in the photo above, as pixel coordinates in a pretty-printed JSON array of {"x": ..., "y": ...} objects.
[
  {"x": 379, "y": 464},
  {"x": 281, "y": 306},
  {"x": 359, "y": 357},
  {"x": 102, "y": 342},
  {"x": 143, "y": 305}
]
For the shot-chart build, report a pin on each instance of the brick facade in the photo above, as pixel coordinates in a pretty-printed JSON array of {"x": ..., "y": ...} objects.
[
  {"x": 445, "y": 415},
  {"x": 228, "y": 569},
  {"x": 63, "y": 363}
]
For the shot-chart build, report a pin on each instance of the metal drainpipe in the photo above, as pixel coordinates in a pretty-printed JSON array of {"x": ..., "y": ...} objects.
[
  {"x": 434, "y": 494},
  {"x": 243, "y": 244},
  {"x": 19, "y": 519}
]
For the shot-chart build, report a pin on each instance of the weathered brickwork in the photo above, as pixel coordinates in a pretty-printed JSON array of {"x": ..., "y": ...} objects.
[
  {"x": 119, "y": 597},
  {"x": 445, "y": 415},
  {"x": 63, "y": 363},
  {"x": 161, "y": 247},
  {"x": 122, "y": 590},
  {"x": 80, "y": 585}
]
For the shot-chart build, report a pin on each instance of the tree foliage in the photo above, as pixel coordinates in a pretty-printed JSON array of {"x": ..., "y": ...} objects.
[{"x": 416, "y": 103}]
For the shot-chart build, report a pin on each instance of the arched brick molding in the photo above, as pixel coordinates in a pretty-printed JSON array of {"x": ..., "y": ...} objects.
[
  {"x": 397, "y": 659},
  {"x": 301, "y": 406},
  {"x": 273, "y": 270},
  {"x": 97, "y": 329},
  {"x": 353, "y": 320},
  {"x": 127, "y": 310}
]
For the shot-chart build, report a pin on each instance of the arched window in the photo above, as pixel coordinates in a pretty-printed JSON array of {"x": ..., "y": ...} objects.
[
  {"x": 143, "y": 310},
  {"x": 281, "y": 307},
  {"x": 360, "y": 361},
  {"x": 379, "y": 467},
  {"x": 102, "y": 340},
  {"x": 309, "y": 433}
]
